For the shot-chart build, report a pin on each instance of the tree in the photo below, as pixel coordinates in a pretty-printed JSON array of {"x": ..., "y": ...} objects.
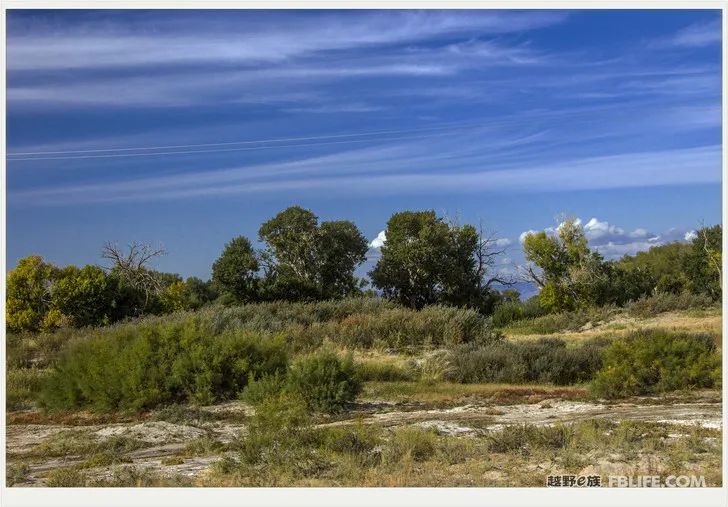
[
  {"x": 235, "y": 270},
  {"x": 569, "y": 274},
  {"x": 138, "y": 287},
  {"x": 200, "y": 292},
  {"x": 307, "y": 261},
  {"x": 83, "y": 295},
  {"x": 426, "y": 260},
  {"x": 703, "y": 264},
  {"x": 175, "y": 297},
  {"x": 28, "y": 294},
  {"x": 341, "y": 247}
]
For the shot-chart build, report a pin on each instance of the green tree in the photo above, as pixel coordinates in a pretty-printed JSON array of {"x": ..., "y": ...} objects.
[
  {"x": 234, "y": 272},
  {"x": 703, "y": 264},
  {"x": 426, "y": 260},
  {"x": 200, "y": 293},
  {"x": 570, "y": 275},
  {"x": 307, "y": 261},
  {"x": 83, "y": 295},
  {"x": 28, "y": 293},
  {"x": 341, "y": 247}
]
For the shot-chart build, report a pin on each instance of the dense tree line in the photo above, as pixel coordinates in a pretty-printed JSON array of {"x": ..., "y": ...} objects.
[
  {"x": 572, "y": 276},
  {"x": 425, "y": 260}
]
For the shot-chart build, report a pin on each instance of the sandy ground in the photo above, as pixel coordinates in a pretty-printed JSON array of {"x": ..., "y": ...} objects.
[{"x": 164, "y": 439}]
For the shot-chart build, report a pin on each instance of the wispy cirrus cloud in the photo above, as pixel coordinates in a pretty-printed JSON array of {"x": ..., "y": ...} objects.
[
  {"x": 692, "y": 36},
  {"x": 319, "y": 175},
  {"x": 243, "y": 40}
]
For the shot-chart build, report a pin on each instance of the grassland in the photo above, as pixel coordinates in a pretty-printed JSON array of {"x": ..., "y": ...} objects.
[{"x": 411, "y": 424}]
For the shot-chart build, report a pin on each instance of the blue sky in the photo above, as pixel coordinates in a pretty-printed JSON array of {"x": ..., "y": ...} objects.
[{"x": 188, "y": 128}]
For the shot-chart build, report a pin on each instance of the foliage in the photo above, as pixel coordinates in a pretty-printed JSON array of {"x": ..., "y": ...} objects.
[
  {"x": 427, "y": 261},
  {"x": 525, "y": 438},
  {"x": 547, "y": 360},
  {"x": 22, "y": 386},
  {"x": 411, "y": 443},
  {"x": 324, "y": 381},
  {"x": 511, "y": 311},
  {"x": 662, "y": 302},
  {"x": 84, "y": 295},
  {"x": 305, "y": 261},
  {"x": 28, "y": 293},
  {"x": 563, "y": 321},
  {"x": 703, "y": 265},
  {"x": 176, "y": 297},
  {"x": 571, "y": 275},
  {"x": 275, "y": 433},
  {"x": 655, "y": 361},
  {"x": 200, "y": 293},
  {"x": 138, "y": 367},
  {"x": 234, "y": 271},
  {"x": 360, "y": 323}
]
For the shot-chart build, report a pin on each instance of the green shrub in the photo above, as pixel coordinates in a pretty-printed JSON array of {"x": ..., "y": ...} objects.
[
  {"x": 324, "y": 381},
  {"x": 358, "y": 439},
  {"x": 524, "y": 438},
  {"x": 417, "y": 444},
  {"x": 511, "y": 311},
  {"x": 563, "y": 321},
  {"x": 382, "y": 371},
  {"x": 277, "y": 432},
  {"x": 655, "y": 361},
  {"x": 547, "y": 360},
  {"x": 267, "y": 386},
  {"x": 359, "y": 323},
  {"x": 668, "y": 302},
  {"x": 23, "y": 386},
  {"x": 138, "y": 367},
  {"x": 65, "y": 478}
]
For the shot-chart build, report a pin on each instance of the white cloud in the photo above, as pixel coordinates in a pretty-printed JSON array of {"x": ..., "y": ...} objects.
[
  {"x": 692, "y": 36},
  {"x": 441, "y": 167},
  {"x": 614, "y": 242},
  {"x": 245, "y": 40},
  {"x": 523, "y": 235},
  {"x": 503, "y": 242},
  {"x": 594, "y": 229},
  {"x": 379, "y": 241},
  {"x": 690, "y": 235}
]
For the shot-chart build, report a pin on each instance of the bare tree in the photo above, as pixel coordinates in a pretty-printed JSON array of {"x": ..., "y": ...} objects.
[
  {"x": 714, "y": 258},
  {"x": 486, "y": 254},
  {"x": 133, "y": 266}
]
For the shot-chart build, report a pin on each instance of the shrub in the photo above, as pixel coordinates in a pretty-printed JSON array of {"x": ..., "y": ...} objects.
[
  {"x": 324, "y": 381},
  {"x": 417, "y": 444},
  {"x": 65, "y": 478},
  {"x": 524, "y": 438},
  {"x": 654, "y": 361},
  {"x": 360, "y": 323},
  {"x": 267, "y": 386},
  {"x": 22, "y": 386},
  {"x": 137, "y": 367},
  {"x": 667, "y": 302},
  {"x": 383, "y": 371},
  {"x": 511, "y": 311},
  {"x": 277, "y": 431},
  {"x": 564, "y": 321},
  {"x": 547, "y": 360}
]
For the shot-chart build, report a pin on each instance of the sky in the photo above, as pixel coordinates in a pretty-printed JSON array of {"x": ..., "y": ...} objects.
[{"x": 188, "y": 128}]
